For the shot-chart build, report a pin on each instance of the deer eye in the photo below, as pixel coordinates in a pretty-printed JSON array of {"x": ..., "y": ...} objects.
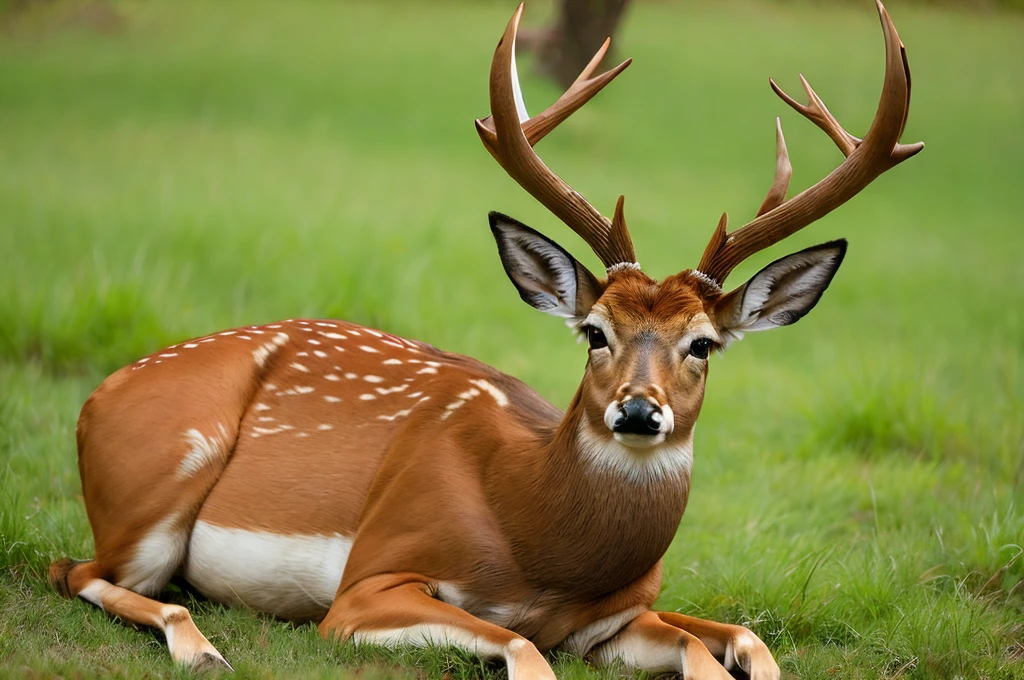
[
  {"x": 700, "y": 348},
  {"x": 596, "y": 338}
]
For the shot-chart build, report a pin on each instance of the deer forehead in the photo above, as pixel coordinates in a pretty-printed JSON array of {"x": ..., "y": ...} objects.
[{"x": 635, "y": 305}]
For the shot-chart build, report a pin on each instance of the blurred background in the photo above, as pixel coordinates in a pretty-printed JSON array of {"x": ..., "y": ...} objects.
[{"x": 169, "y": 169}]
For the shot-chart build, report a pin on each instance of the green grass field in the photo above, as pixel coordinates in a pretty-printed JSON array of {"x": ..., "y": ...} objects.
[{"x": 178, "y": 168}]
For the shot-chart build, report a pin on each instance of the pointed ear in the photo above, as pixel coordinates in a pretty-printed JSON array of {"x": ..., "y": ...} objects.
[
  {"x": 779, "y": 294},
  {"x": 547, "y": 277}
]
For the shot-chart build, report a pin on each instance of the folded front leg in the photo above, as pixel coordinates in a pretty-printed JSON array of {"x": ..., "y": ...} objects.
[
  {"x": 398, "y": 609},
  {"x": 736, "y": 646},
  {"x": 647, "y": 643}
]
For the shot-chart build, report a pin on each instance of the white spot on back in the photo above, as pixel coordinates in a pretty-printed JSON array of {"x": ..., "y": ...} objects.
[
  {"x": 452, "y": 408},
  {"x": 332, "y": 377},
  {"x": 263, "y": 352},
  {"x": 302, "y": 389},
  {"x": 402, "y": 413},
  {"x": 299, "y": 367},
  {"x": 367, "y": 348},
  {"x": 261, "y": 431},
  {"x": 367, "y": 397},
  {"x": 429, "y": 370},
  {"x": 490, "y": 389},
  {"x": 323, "y": 427},
  {"x": 392, "y": 362},
  {"x": 320, "y": 353},
  {"x": 373, "y": 378},
  {"x": 261, "y": 407},
  {"x": 332, "y": 399}
]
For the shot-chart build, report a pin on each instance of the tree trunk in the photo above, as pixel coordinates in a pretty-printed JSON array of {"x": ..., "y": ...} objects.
[{"x": 564, "y": 49}]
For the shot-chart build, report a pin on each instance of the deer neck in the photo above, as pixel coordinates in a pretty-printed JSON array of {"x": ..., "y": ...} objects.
[{"x": 589, "y": 517}]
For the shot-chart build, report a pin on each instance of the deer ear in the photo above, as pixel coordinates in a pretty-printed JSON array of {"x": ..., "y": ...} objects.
[
  {"x": 781, "y": 293},
  {"x": 546, "y": 276}
]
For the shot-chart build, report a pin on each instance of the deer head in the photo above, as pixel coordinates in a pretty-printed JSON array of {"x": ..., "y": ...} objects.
[{"x": 650, "y": 340}]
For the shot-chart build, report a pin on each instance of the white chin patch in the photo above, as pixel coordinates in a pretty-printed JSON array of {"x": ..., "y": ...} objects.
[
  {"x": 637, "y": 458},
  {"x": 639, "y": 441}
]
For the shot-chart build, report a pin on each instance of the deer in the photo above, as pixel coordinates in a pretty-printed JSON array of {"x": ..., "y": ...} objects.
[{"x": 397, "y": 494}]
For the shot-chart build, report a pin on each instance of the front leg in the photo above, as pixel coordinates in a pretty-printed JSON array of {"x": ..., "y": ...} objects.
[
  {"x": 650, "y": 644},
  {"x": 737, "y": 646},
  {"x": 398, "y": 609}
]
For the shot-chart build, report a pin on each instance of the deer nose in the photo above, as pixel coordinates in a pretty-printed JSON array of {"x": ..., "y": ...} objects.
[{"x": 638, "y": 416}]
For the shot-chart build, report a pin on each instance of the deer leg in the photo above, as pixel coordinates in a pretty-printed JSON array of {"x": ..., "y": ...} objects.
[
  {"x": 736, "y": 646},
  {"x": 649, "y": 644},
  {"x": 399, "y": 609},
  {"x": 187, "y": 645}
]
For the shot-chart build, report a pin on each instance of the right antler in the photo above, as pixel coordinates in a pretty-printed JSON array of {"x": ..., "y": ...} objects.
[
  {"x": 866, "y": 159},
  {"x": 510, "y": 134}
]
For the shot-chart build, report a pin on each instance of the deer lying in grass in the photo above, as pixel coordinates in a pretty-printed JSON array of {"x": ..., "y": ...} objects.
[{"x": 399, "y": 494}]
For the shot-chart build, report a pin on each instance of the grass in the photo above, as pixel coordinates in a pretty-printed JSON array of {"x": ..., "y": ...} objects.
[{"x": 184, "y": 167}]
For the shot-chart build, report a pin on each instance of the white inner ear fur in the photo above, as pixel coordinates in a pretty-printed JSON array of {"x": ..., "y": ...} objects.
[
  {"x": 543, "y": 273},
  {"x": 782, "y": 292}
]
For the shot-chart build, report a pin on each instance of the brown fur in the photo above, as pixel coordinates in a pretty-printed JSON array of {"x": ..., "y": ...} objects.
[{"x": 491, "y": 498}]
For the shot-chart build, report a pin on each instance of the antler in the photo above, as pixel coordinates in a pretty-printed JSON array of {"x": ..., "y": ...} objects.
[
  {"x": 510, "y": 134},
  {"x": 866, "y": 159}
]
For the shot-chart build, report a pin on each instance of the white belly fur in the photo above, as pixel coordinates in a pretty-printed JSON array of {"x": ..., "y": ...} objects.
[{"x": 291, "y": 576}]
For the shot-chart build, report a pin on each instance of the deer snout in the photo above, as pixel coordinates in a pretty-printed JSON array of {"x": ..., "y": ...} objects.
[{"x": 639, "y": 417}]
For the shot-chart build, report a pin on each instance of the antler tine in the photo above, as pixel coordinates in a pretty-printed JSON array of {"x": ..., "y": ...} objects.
[
  {"x": 866, "y": 159},
  {"x": 783, "y": 173},
  {"x": 818, "y": 113},
  {"x": 509, "y": 135}
]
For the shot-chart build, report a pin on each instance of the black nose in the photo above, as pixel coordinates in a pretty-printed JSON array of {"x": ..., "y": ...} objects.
[{"x": 638, "y": 416}]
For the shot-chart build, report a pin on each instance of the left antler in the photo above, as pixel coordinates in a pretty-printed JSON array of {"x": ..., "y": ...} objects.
[
  {"x": 510, "y": 134},
  {"x": 866, "y": 159}
]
